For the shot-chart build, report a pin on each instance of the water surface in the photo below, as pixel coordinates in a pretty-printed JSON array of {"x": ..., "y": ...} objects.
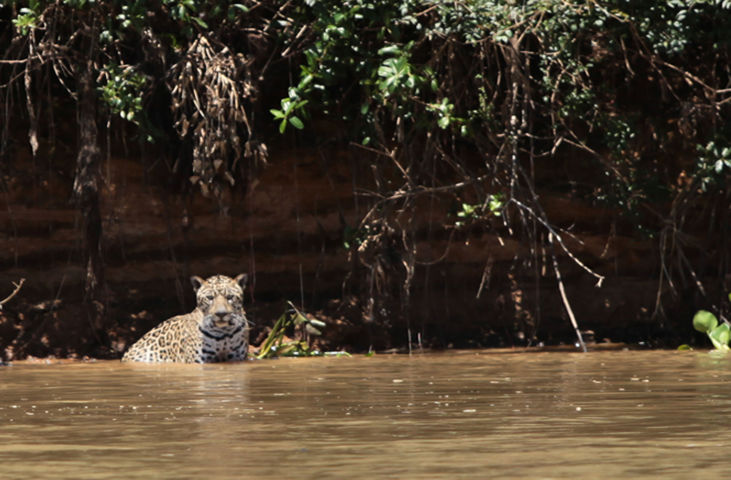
[{"x": 453, "y": 415}]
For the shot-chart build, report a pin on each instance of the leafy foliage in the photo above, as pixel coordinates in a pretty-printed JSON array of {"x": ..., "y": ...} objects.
[
  {"x": 714, "y": 165},
  {"x": 276, "y": 344},
  {"x": 478, "y": 104},
  {"x": 706, "y": 322},
  {"x": 121, "y": 92},
  {"x": 522, "y": 85},
  {"x": 546, "y": 73}
]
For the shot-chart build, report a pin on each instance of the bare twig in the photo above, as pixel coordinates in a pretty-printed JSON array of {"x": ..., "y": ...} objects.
[
  {"x": 18, "y": 286},
  {"x": 553, "y": 234}
]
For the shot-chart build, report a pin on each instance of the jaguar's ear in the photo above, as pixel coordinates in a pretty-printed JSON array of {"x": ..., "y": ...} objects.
[
  {"x": 241, "y": 280},
  {"x": 197, "y": 282}
]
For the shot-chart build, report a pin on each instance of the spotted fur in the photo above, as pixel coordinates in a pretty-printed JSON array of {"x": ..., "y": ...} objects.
[{"x": 216, "y": 331}]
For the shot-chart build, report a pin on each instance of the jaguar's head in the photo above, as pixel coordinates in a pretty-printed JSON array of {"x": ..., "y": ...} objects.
[{"x": 221, "y": 300}]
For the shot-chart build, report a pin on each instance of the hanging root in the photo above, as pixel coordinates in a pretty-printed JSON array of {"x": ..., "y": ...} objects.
[{"x": 565, "y": 298}]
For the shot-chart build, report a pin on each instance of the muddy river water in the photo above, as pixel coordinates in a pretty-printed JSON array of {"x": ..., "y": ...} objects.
[{"x": 453, "y": 415}]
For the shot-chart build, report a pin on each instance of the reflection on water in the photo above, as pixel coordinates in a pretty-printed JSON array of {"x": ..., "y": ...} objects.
[{"x": 457, "y": 415}]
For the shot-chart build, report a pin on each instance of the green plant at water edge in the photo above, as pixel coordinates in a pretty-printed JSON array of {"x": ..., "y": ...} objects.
[
  {"x": 706, "y": 322},
  {"x": 275, "y": 344}
]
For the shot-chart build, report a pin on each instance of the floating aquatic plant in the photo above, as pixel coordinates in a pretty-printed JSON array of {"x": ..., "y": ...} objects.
[
  {"x": 275, "y": 345},
  {"x": 706, "y": 322}
]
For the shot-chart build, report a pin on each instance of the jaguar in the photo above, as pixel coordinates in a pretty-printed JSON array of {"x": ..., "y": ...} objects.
[{"x": 217, "y": 330}]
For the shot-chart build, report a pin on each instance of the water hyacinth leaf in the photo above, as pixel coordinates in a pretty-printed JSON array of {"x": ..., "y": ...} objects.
[
  {"x": 720, "y": 336},
  {"x": 704, "y": 321}
]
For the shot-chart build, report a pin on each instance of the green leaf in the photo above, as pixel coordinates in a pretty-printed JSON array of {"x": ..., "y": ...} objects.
[
  {"x": 312, "y": 330},
  {"x": 685, "y": 346},
  {"x": 389, "y": 50},
  {"x": 318, "y": 323},
  {"x": 705, "y": 321},
  {"x": 720, "y": 336},
  {"x": 200, "y": 22},
  {"x": 299, "y": 319},
  {"x": 296, "y": 123}
]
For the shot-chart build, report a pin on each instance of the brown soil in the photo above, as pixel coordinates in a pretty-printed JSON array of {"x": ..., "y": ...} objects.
[{"x": 287, "y": 232}]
